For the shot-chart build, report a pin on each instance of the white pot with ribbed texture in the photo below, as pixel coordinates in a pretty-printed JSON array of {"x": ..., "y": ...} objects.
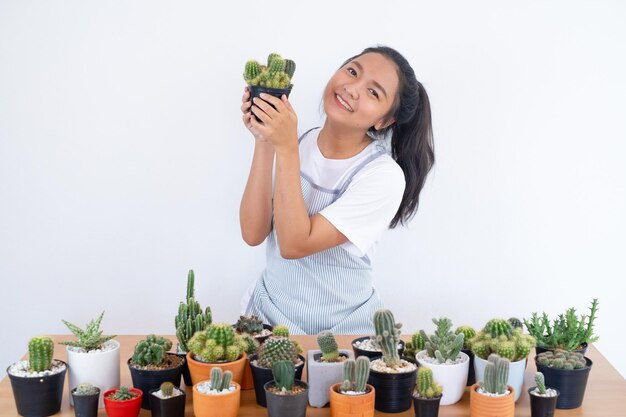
[
  {"x": 516, "y": 373},
  {"x": 99, "y": 368},
  {"x": 452, "y": 377},
  {"x": 322, "y": 375}
]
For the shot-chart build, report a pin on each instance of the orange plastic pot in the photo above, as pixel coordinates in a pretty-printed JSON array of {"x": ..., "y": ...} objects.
[
  {"x": 247, "y": 380},
  {"x": 342, "y": 405},
  {"x": 223, "y": 405},
  {"x": 485, "y": 406},
  {"x": 125, "y": 408},
  {"x": 201, "y": 371}
]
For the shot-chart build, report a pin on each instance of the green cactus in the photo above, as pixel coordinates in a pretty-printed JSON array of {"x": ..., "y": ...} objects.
[
  {"x": 328, "y": 345},
  {"x": 496, "y": 375},
  {"x": 250, "y": 344},
  {"x": 541, "y": 383},
  {"x": 416, "y": 344},
  {"x": 284, "y": 375},
  {"x": 426, "y": 387},
  {"x": 387, "y": 336},
  {"x": 252, "y": 70},
  {"x": 86, "y": 389},
  {"x": 276, "y": 74},
  {"x": 275, "y": 349},
  {"x": 190, "y": 318},
  {"x": 280, "y": 330},
  {"x": 220, "y": 381},
  {"x": 498, "y": 336},
  {"x": 40, "y": 352},
  {"x": 499, "y": 327},
  {"x": 290, "y": 67},
  {"x": 217, "y": 343},
  {"x": 123, "y": 394},
  {"x": 562, "y": 359},
  {"x": 249, "y": 324},
  {"x": 355, "y": 374},
  {"x": 469, "y": 333},
  {"x": 515, "y": 323},
  {"x": 151, "y": 350},
  {"x": 89, "y": 339},
  {"x": 271, "y": 57},
  {"x": 443, "y": 344},
  {"x": 167, "y": 389}
]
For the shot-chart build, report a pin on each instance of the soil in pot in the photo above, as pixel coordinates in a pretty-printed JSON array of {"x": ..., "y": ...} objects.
[
  {"x": 150, "y": 377},
  {"x": 362, "y": 347}
]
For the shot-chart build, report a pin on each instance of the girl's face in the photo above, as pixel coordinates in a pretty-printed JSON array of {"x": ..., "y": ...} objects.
[{"x": 362, "y": 92}]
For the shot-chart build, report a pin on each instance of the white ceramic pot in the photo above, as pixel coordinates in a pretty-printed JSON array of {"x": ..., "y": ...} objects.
[
  {"x": 101, "y": 369},
  {"x": 322, "y": 375},
  {"x": 453, "y": 378},
  {"x": 516, "y": 373}
]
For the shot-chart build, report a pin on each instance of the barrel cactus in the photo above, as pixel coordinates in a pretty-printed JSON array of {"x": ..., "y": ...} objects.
[
  {"x": 217, "y": 343},
  {"x": 276, "y": 74},
  {"x": 416, "y": 344},
  {"x": 167, "y": 389},
  {"x": 469, "y": 332},
  {"x": 40, "y": 351},
  {"x": 500, "y": 337},
  {"x": 275, "y": 349},
  {"x": 281, "y": 330},
  {"x": 86, "y": 389}
]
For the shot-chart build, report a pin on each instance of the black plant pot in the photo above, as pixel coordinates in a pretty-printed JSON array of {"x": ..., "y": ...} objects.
[
  {"x": 393, "y": 391},
  {"x": 185, "y": 371},
  {"x": 542, "y": 406},
  {"x": 38, "y": 397},
  {"x": 372, "y": 354},
  {"x": 261, "y": 376},
  {"x": 426, "y": 407},
  {"x": 167, "y": 407},
  {"x": 287, "y": 405},
  {"x": 583, "y": 349},
  {"x": 147, "y": 380},
  {"x": 570, "y": 383},
  {"x": 255, "y": 91},
  {"x": 86, "y": 405},
  {"x": 471, "y": 377}
]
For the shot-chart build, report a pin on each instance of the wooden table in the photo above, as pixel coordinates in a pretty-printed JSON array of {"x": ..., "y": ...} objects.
[{"x": 605, "y": 395}]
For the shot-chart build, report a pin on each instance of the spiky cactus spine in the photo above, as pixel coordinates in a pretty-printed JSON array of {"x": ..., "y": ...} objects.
[
  {"x": 271, "y": 57},
  {"x": 40, "y": 352},
  {"x": 416, "y": 344},
  {"x": 361, "y": 373},
  {"x": 252, "y": 70},
  {"x": 275, "y": 349},
  {"x": 496, "y": 374},
  {"x": 499, "y": 327},
  {"x": 89, "y": 339},
  {"x": 167, "y": 389},
  {"x": 387, "y": 336},
  {"x": 284, "y": 374},
  {"x": 328, "y": 345},
  {"x": 426, "y": 386},
  {"x": 541, "y": 382},
  {"x": 86, "y": 389},
  {"x": 190, "y": 318},
  {"x": 218, "y": 342},
  {"x": 151, "y": 351},
  {"x": 469, "y": 333},
  {"x": 250, "y": 344}
]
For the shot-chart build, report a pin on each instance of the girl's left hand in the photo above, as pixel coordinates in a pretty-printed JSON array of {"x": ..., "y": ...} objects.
[{"x": 280, "y": 123}]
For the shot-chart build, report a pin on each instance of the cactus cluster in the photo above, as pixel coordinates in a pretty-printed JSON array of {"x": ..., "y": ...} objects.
[
  {"x": 89, "y": 339},
  {"x": 498, "y": 336},
  {"x": 190, "y": 318},
  {"x": 328, "y": 346},
  {"x": 496, "y": 375},
  {"x": 86, "y": 389},
  {"x": 426, "y": 387},
  {"x": 355, "y": 374},
  {"x": 469, "y": 333},
  {"x": 387, "y": 336},
  {"x": 276, "y": 349},
  {"x": 220, "y": 381},
  {"x": 562, "y": 359},
  {"x": 151, "y": 350},
  {"x": 276, "y": 74},
  {"x": 249, "y": 324},
  {"x": 416, "y": 344},
  {"x": 123, "y": 394},
  {"x": 284, "y": 375},
  {"x": 217, "y": 343},
  {"x": 40, "y": 352},
  {"x": 443, "y": 344}
]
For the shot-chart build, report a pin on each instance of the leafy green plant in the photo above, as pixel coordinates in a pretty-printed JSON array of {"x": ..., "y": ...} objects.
[
  {"x": 276, "y": 74},
  {"x": 89, "y": 339}
]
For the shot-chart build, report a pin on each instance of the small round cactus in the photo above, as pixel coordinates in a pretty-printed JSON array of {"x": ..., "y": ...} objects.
[
  {"x": 167, "y": 389},
  {"x": 86, "y": 389},
  {"x": 328, "y": 345},
  {"x": 281, "y": 330}
]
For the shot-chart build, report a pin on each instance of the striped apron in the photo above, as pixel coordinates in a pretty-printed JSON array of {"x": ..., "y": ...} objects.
[{"x": 328, "y": 290}]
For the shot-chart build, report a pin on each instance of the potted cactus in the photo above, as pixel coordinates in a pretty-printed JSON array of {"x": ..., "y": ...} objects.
[
  {"x": 566, "y": 371},
  {"x": 427, "y": 394},
  {"x": 189, "y": 320},
  {"x": 274, "y": 349},
  {"x": 37, "y": 383},
  {"x": 492, "y": 396},
  {"x": 92, "y": 357},
  {"x": 286, "y": 397},
  {"x": 152, "y": 364},
  {"x": 273, "y": 78},
  {"x": 123, "y": 402},
  {"x": 391, "y": 376},
  {"x": 324, "y": 368},
  {"x": 542, "y": 399},
  {"x": 86, "y": 398},
  {"x": 443, "y": 355},
  {"x": 217, "y": 346},
  {"x": 469, "y": 332},
  {"x": 413, "y": 346},
  {"x": 217, "y": 397},
  {"x": 498, "y": 336},
  {"x": 167, "y": 401},
  {"x": 253, "y": 326},
  {"x": 353, "y": 397}
]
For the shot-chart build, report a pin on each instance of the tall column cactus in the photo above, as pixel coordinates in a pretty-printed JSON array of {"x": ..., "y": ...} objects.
[
  {"x": 190, "y": 318},
  {"x": 355, "y": 374},
  {"x": 496, "y": 374},
  {"x": 40, "y": 351},
  {"x": 387, "y": 336}
]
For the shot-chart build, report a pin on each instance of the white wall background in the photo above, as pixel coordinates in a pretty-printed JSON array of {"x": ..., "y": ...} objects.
[{"x": 123, "y": 158}]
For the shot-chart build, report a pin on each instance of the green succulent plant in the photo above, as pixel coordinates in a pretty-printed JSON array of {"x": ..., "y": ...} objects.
[
  {"x": 249, "y": 324},
  {"x": 276, "y": 74},
  {"x": 275, "y": 349},
  {"x": 89, "y": 339},
  {"x": 355, "y": 374},
  {"x": 416, "y": 344},
  {"x": 220, "y": 380},
  {"x": 328, "y": 346},
  {"x": 217, "y": 343},
  {"x": 443, "y": 344},
  {"x": 40, "y": 352},
  {"x": 190, "y": 318},
  {"x": 426, "y": 386},
  {"x": 123, "y": 394},
  {"x": 86, "y": 389},
  {"x": 387, "y": 336},
  {"x": 562, "y": 359},
  {"x": 496, "y": 375},
  {"x": 498, "y": 336},
  {"x": 151, "y": 350}
]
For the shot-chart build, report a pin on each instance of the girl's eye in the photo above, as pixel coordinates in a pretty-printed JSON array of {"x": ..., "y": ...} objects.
[
  {"x": 373, "y": 92},
  {"x": 352, "y": 71}
]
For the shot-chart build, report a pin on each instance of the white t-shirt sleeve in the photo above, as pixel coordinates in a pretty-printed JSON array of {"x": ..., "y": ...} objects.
[{"x": 368, "y": 205}]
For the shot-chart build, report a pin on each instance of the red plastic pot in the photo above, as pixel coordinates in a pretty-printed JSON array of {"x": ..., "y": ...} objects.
[{"x": 125, "y": 408}]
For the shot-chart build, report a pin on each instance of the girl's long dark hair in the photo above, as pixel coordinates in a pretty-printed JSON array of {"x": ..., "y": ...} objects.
[{"x": 412, "y": 144}]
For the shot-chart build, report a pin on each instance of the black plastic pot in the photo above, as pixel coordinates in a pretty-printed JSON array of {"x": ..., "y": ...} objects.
[
  {"x": 287, "y": 405},
  {"x": 393, "y": 391},
  {"x": 86, "y": 405},
  {"x": 167, "y": 407},
  {"x": 40, "y": 396},
  {"x": 542, "y": 406},
  {"x": 471, "y": 377},
  {"x": 583, "y": 349},
  {"x": 147, "y": 380},
  {"x": 570, "y": 383},
  {"x": 426, "y": 407},
  {"x": 371, "y": 353},
  {"x": 185, "y": 372},
  {"x": 255, "y": 91},
  {"x": 261, "y": 376}
]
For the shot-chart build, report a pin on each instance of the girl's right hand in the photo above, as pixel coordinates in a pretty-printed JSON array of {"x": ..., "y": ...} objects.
[{"x": 247, "y": 115}]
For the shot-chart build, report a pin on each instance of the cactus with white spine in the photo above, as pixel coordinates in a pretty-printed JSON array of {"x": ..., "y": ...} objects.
[
  {"x": 541, "y": 383},
  {"x": 86, "y": 389},
  {"x": 355, "y": 374},
  {"x": 387, "y": 336},
  {"x": 328, "y": 346},
  {"x": 496, "y": 375},
  {"x": 40, "y": 352},
  {"x": 167, "y": 389}
]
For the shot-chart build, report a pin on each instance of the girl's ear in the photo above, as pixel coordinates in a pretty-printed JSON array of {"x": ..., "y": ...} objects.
[{"x": 384, "y": 123}]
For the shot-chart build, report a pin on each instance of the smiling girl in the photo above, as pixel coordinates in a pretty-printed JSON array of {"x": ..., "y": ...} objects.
[{"x": 333, "y": 192}]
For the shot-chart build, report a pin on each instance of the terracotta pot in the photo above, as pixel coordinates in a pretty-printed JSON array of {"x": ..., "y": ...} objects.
[
  {"x": 247, "y": 380},
  {"x": 201, "y": 371},
  {"x": 342, "y": 405},
  {"x": 223, "y": 405},
  {"x": 126, "y": 408},
  {"x": 485, "y": 406},
  {"x": 516, "y": 373}
]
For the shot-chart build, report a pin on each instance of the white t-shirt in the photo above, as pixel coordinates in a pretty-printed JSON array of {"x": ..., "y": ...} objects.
[{"x": 370, "y": 202}]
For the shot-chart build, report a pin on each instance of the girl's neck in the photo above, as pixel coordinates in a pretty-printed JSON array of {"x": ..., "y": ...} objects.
[{"x": 335, "y": 142}]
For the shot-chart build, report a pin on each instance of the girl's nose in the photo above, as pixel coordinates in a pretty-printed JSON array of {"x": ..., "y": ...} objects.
[{"x": 351, "y": 90}]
